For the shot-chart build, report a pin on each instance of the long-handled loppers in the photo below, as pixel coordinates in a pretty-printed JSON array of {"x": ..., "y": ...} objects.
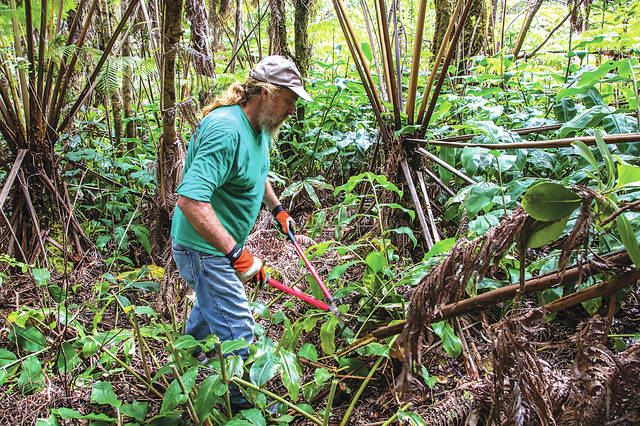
[{"x": 331, "y": 307}]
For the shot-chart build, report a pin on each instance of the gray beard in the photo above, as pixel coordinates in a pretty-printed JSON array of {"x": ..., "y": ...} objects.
[{"x": 268, "y": 123}]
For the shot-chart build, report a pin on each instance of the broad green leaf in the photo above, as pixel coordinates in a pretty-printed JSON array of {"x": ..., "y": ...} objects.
[
  {"x": 312, "y": 194},
  {"x": 339, "y": 270},
  {"x": 189, "y": 378},
  {"x": 376, "y": 260},
  {"x": 42, "y": 276},
  {"x": 617, "y": 124},
  {"x": 327, "y": 335},
  {"x": 142, "y": 234},
  {"x": 628, "y": 238},
  {"x": 591, "y": 77},
  {"x": 68, "y": 413},
  {"x": 203, "y": 402},
  {"x": 235, "y": 366},
  {"x": 548, "y": 201},
  {"x": 67, "y": 358},
  {"x": 448, "y": 155},
  {"x": 102, "y": 393},
  {"x": 471, "y": 158},
  {"x": 591, "y": 97},
  {"x": 545, "y": 232},
  {"x": 428, "y": 379},
  {"x": 608, "y": 158},
  {"x": 185, "y": 341},
  {"x": 450, "y": 342},
  {"x": 30, "y": 339},
  {"x": 565, "y": 110},
  {"x": 233, "y": 345},
  {"x": 136, "y": 410},
  {"x": 254, "y": 416},
  {"x": 309, "y": 352},
  {"x": 6, "y": 358},
  {"x": 264, "y": 369},
  {"x": 290, "y": 371},
  {"x": 172, "y": 397},
  {"x": 583, "y": 150},
  {"x": 406, "y": 231},
  {"x": 440, "y": 247},
  {"x": 585, "y": 120},
  {"x": 31, "y": 377},
  {"x": 366, "y": 49},
  {"x": 480, "y": 195},
  {"x": 52, "y": 420},
  {"x": 145, "y": 310},
  {"x": 628, "y": 175},
  {"x": 321, "y": 375}
]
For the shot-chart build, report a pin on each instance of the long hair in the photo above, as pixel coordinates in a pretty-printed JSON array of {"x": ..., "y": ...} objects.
[{"x": 239, "y": 93}]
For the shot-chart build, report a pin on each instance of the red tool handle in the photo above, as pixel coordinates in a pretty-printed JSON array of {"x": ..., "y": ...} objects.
[
  {"x": 313, "y": 271},
  {"x": 300, "y": 295}
]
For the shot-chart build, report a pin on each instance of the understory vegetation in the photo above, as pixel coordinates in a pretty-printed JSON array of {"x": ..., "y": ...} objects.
[{"x": 469, "y": 194}]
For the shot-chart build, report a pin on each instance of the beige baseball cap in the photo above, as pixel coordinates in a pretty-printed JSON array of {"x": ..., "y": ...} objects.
[{"x": 280, "y": 71}]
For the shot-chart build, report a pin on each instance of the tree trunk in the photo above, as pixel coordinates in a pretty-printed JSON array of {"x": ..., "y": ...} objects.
[
  {"x": 170, "y": 156},
  {"x": 236, "y": 42},
  {"x": 107, "y": 20},
  {"x": 443, "y": 10},
  {"x": 278, "y": 29},
  {"x": 202, "y": 57},
  {"x": 475, "y": 30},
  {"x": 301, "y": 31},
  {"x": 127, "y": 93}
]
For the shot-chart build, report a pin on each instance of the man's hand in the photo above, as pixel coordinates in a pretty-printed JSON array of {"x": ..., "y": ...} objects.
[
  {"x": 248, "y": 267},
  {"x": 282, "y": 221}
]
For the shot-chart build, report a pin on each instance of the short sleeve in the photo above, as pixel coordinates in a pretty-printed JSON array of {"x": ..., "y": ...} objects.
[{"x": 211, "y": 164}]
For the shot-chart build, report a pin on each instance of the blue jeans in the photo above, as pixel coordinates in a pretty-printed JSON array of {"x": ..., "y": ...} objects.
[{"x": 221, "y": 306}]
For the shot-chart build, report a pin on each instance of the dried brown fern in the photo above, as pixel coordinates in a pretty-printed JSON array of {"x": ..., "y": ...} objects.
[{"x": 446, "y": 282}]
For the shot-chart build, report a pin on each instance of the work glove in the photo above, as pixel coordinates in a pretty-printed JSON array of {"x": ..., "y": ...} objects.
[
  {"x": 248, "y": 267},
  {"x": 282, "y": 221}
]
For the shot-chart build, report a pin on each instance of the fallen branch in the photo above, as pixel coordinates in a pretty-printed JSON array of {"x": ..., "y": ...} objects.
[
  {"x": 484, "y": 300},
  {"x": 446, "y": 165},
  {"x": 604, "y": 288},
  {"x": 553, "y": 143},
  {"x": 416, "y": 201},
  {"x": 522, "y": 131}
]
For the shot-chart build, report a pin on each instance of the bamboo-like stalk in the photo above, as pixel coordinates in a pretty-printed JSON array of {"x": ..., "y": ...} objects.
[
  {"x": 445, "y": 65},
  {"x": 332, "y": 394},
  {"x": 553, "y": 30},
  {"x": 363, "y": 385},
  {"x": 416, "y": 201},
  {"x": 525, "y": 27},
  {"x": 415, "y": 62},
  {"x": 383, "y": 50},
  {"x": 387, "y": 45},
  {"x": 278, "y": 398},
  {"x": 64, "y": 73},
  {"x": 367, "y": 22},
  {"x": 192, "y": 411},
  {"x": 363, "y": 60},
  {"x": 127, "y": 367},
  {"x": 92, "y": 79},
  {"x": 396, "y": 42},
  {"x": 17, "y": 45},
  {"x": 41, "y": 46},
  {"x": 553, "y": 143},
  {"x": 490, "y": 298},
  {"x": 437, "y": 180},
  {"x": 438, "y": 59},
  {"x": 370, "y": 91},
  {"x": 522, "y": 131},
  {"x": 427, "y": 202},
  {"x": 225, "y": 380},
  {"x": 446, "y": 165}
]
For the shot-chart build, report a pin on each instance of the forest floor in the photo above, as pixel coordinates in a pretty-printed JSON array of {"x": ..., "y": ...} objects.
[{"x": 557, "y": 348}]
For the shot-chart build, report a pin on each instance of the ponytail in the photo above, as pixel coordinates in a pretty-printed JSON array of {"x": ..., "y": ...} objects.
[{"x": 239, "y": 93}]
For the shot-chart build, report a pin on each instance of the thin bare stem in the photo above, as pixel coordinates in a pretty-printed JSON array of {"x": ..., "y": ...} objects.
[{"x": 415, "y": 62}]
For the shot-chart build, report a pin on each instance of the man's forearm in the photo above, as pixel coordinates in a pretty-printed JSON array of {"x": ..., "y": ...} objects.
[
  {"x": 270, "y": 199},
  {"x": 204, "y": 220}
]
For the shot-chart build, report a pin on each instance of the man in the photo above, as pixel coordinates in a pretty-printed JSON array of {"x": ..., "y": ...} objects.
[{"x": 223, "y": 185}]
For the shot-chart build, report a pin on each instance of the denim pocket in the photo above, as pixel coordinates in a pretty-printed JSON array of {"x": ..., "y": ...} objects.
[{"x": 184, "y": 263}]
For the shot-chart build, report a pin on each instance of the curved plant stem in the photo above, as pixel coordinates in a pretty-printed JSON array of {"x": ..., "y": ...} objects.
[
  {"x": 327, "y": 411},
  {"x": 393, "y": 418},
  {"x": 225, "y": 380},
  {"x": 278, "y": 398},
  {"x": 364, "y": 384},
  {"x": 126, "y": 367},
  {"x": 192, "y": 411}
]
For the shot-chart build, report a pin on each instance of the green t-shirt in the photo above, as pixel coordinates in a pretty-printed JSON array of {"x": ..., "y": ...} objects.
[{"x": 226, "y": 165}]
